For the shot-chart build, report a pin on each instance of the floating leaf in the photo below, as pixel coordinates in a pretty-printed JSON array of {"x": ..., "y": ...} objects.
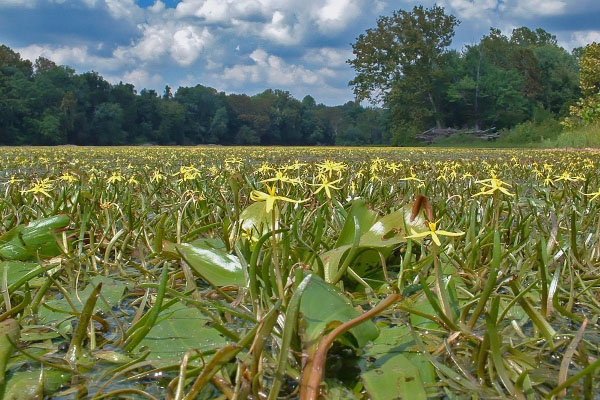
[
  {"x": 393, "y": 370},
  {"x": 382, "y": 235},
  {"x": 58, "y": 311},
  {"x": 27, "y": 385},
  {"x": 16, "y": 270},
  {"x": 366, "y": 218},
  {"x": 321, "y": 305},
  {"x": 26, "y": 242},
  {"x": 9, "y": 329},
  {"x": 180, "y": 329},
  {"x": 215, "y": 266}
]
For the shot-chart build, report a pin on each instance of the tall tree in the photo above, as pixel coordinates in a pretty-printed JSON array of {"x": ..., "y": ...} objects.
[{"x": 402, "y": 54}]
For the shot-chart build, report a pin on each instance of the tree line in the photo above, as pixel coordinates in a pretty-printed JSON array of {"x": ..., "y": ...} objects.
[
  {"x": 404, "y": 67},
  {"x": 42, "y": 103}
]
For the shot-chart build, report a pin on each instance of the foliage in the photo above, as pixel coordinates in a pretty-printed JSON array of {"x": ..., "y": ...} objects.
[
  {"x": 587, "y": 109},
  {"x": 166, "y": 272}
]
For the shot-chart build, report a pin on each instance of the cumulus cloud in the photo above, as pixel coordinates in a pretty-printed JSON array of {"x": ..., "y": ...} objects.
[
  {"x": 533, "y": 8},
  {"x": 18, "y": 3},
  {"x": 335, "y": 15},
  {"x": 271, "y": 70},
  {"x": 328, "y": 56},
  {"x": 72, "y": 56},
  {"x": 580, "y": 39},
  {"x": 472, "y": 9},
  {"x": 183, "y": 42}
]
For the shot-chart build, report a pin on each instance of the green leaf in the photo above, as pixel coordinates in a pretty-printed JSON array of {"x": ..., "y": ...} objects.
[
  {"x": 256, "y": 219},
  {"x": 59, "y": 310},
  {"x": 216, "y": 266},
  {"x": 180, "y": 329},
  {"x": 27, "y": 385},
  {"x": 395, "y": 377},
  {"x": 392, "y": 370},
  {"x": 26, "y": 242},
  {"x": 16, "y": 270},
  {"x": 382, "y": 235},
  {"x": 322, "y": 305},
  {"x": 9, "y": 329},
  {"x": 366, "y": 218}
]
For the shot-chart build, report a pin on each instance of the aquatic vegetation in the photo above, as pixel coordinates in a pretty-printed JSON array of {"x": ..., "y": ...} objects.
[{"x": 233, "y": 273}]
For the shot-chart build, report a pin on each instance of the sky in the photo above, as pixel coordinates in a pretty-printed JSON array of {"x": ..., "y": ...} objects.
[{"x": 247, "y": 46}]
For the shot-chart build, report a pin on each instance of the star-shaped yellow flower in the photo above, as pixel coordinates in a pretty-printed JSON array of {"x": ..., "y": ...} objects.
[
  {"x": 433, "y": 232},
  {"x": 270, "y": 197}
]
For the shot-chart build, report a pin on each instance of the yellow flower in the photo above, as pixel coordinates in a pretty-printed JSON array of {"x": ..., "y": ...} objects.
[
  {"x": 492, "y": 185},
  {"x": 115, "y": 177},
  {"x": 594, "y": 195},
  {"x": 157, "y": 177},
  {"x": 412, "y": 177},
  {"x": 270, "y": 197},
  {"x": 280, "y": 177},
  {"x": 40, "y": 187},
  {"x": 325, "y": 184},
  {"x": 67, "y": 177},
  {"x": 13, "y": 180},
  {"x": 433, "y": 232}
]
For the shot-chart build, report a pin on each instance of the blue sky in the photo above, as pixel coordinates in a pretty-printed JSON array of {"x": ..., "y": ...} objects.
[{"x": 247, "y": 46}]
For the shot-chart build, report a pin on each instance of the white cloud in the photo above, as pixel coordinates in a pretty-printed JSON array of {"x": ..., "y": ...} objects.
[
  {"x": 142, "y": 78},
  {"x": 183, "y": 42},
  {"x": 533, "y": 8},
  {"x": 126, "y": 9},
  {"x": 328, "y": 56},
  {"x": 279, "y": 31},
  {"x": 472, "y": 9},
  {"x": 18, "y": 3},
  {"x": 335, "y": 15},
  {"x": 77, "y": 56},
  {"x": 272, "y": 71},
  {"x": 188, "y": 42},
  {"x": 580, "y": 39}
]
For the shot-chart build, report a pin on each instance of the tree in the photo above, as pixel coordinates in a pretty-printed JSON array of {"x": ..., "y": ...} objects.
[
  {"x": 587, "y": 110},
  {"x": 403, "y": 53}
]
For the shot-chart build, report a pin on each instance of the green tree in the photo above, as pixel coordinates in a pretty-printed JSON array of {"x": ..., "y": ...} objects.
[
  {"x": 587, "y": 109},
  {"x": 403, "y": 54}
]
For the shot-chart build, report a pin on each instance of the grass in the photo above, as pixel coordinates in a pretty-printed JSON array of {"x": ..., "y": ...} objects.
[{"x": 355, "y": 273}]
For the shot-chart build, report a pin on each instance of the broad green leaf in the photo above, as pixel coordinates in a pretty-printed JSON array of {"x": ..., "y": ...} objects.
[
  {"x": 216, "y": 266},
  {"x": 27, "y": 385},
  {"x": 9, "y": 329},
  {"x": 26, "y": 242},
  {"x": 395, "y": 377},
  {"x": 322, "y": 305},
  {"x": 392, "y": 370},
  {"x": 382, "y": 235},
  {"x": 180, "y": 329},
  {"x": 16, "y": 270},
  {"x": 366, "y": 218},
  {"x": 58, "y": 311},
  {"x": 255, "y": 217},
  {"x": 390, "y": 230}
]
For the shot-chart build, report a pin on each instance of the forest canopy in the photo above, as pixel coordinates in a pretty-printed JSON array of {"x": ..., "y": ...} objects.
[{"x": 405, "y": 67}]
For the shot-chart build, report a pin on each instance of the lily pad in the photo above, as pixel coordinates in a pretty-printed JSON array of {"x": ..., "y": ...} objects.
[
  {"x": 321, "y": 305},
  {"x": 365, "y": 217},
  {"x": 180, "y": 329},
  {"x": 16, "y": 270},
  {"x": 382, "y": 235},
  {"x": 393, "y": 371},
  {"x": 27, "y": 242},
  {"x": 57, "y": 312},
  {"x": 216, "y": 266}
]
